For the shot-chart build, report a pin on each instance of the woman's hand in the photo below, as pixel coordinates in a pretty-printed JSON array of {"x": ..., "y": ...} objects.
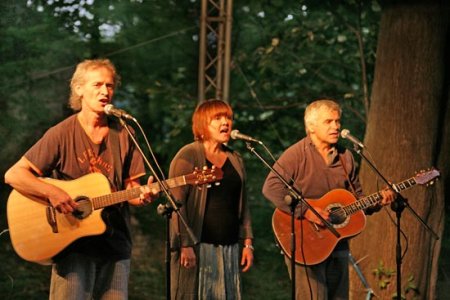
[
  {"x": 247, "y": 258},
  {"x": 187, "y": 257}
]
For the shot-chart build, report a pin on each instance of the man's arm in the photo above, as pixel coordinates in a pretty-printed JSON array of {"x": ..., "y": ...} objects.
[
  {"x": 21, "y": 177},
  {"x": 274, "y": 189}
]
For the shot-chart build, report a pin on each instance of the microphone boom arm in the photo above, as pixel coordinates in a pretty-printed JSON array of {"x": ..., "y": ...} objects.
[
  {"x": 164, "y": 188},
  {"x": 403, "y": 201},
  {"x": 293, "y": 191}
]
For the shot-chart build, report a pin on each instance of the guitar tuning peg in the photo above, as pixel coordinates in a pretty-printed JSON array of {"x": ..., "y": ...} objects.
[
  {"x": 208, "y": 186},
  {"x": 216, "y": 183},
  {"x": 199, "y": 187}
]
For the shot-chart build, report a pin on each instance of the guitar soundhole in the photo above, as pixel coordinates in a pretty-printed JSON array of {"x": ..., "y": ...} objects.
[
  {"x": 338, "y": 217},
  {"x": 84, "y": 208}
]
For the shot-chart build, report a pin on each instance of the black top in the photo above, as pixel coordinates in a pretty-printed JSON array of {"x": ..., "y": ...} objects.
[{"x": 221, "y": 221}]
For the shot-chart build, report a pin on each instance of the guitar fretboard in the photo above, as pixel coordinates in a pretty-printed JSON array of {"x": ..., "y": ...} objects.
[
  {"x": 375, "y": 198},
  {"x": 125, "y": 195}
]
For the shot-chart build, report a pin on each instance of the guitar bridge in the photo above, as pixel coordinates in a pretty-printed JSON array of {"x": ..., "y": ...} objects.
[{"x": 51, "y": 218}]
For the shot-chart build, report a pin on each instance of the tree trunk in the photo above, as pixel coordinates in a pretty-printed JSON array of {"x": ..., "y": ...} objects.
[{"x": 407, "y": 131}]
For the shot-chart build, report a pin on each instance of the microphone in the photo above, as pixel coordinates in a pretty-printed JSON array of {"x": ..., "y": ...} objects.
[
  {"x": 110, "y": 110},
  {"x": 236, "y": 135},
  {"x": 345, "y": 133}
]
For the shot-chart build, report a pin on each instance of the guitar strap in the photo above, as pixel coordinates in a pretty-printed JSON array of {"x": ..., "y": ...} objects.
[
  {"x": 114, "y": 143},
  {"x": 115, "y": 148},
  {"x": 348, "y": 177}
]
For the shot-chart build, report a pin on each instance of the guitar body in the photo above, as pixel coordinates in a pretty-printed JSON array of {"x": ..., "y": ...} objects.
[
  {"x": 315, "y": 243},
  {"x": 38, "y": 232},
  {"x": 32, "y": 234}
]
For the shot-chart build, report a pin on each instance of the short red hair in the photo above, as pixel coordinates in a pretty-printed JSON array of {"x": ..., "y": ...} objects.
[{"x": 204, "y": 113}]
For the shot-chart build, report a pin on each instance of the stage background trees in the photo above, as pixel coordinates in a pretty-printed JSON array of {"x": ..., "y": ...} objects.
[
  {"x": 285, "y": 54},
  {"x": 408, "y": 131}
]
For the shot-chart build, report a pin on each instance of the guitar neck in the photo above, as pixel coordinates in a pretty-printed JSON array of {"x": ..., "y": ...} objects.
[
  {"x": 125, "y": 195},
  {"x": 376, "y": 198}
]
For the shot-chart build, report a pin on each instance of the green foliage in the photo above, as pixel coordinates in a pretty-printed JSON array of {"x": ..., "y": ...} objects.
[
  {"x": 32, "y": 49},
  {"x": 285, "y": 54},
  {"x": 291, "y": 55},
  {"x": 383, "y": 275},
  {"x": 410, "y": 288}
]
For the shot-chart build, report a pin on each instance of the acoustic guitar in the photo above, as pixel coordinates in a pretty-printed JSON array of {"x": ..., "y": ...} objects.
[
  {"x": 315, "y": 243},
  {"x": 38, "y": 231}
]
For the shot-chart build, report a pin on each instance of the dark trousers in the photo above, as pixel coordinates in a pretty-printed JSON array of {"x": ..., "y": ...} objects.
[{"x": 328, "y": 280}]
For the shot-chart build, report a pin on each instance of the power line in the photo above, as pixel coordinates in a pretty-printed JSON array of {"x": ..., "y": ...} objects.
[
  {"x": 62, "y": 69},
  {"x": 256, "y": 98}
]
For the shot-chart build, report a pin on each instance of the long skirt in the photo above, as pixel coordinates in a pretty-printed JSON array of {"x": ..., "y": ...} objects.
[{"x": 219, "y": 276}]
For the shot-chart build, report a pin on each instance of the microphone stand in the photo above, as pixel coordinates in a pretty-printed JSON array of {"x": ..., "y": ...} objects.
[
  {"x": 399, "y": 204},
  {"x": 292, "y": 202},
  {"x": 296, "y": 199},
  {"x": 361, "y": 277},
  {"x": 166, "y": 210}
]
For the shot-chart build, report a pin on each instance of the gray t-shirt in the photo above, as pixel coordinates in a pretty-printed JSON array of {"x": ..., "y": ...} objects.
[{"x": 66, "y": 152}]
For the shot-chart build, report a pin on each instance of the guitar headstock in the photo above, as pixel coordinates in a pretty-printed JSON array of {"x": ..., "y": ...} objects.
[
  {"x": 204, "y": 175},
  {"x": 427, "y": 177}
]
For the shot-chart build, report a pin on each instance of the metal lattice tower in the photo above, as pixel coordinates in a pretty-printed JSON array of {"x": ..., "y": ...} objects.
[{"x": 215, "y": 49}]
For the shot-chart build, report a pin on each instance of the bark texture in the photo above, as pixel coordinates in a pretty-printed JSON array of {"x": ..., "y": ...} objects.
[{"x": 407, "y": 131}]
